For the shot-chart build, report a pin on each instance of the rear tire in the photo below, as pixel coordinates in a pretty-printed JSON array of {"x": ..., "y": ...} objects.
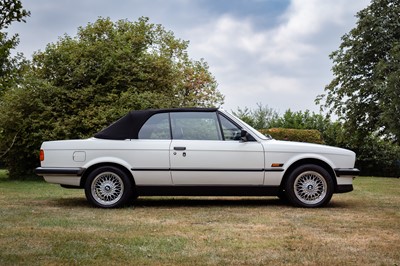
[
  {"x": 108, "y": 187},
  {"x": 309, "y": 186}
]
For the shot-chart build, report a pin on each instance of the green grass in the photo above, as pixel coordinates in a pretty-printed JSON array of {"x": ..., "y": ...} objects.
[{"x": 44, "y": 224}]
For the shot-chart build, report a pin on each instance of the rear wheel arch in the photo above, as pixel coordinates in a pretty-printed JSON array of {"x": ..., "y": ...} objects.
[
  {"x": 109, "y": 186},
  {"x": 95, "y": 166}
]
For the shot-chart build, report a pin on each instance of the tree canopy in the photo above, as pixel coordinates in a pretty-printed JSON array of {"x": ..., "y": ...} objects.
[
  {"x": 81, "y": 84},
  {"x": 110, "y": 68},
  {"x": 259, "y": 118},
  {"x": 365, "y": 91},
  {"x": 10, "y": 11}
]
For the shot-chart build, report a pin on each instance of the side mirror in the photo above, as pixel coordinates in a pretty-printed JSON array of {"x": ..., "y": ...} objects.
[{"x": 243, "y": 135}]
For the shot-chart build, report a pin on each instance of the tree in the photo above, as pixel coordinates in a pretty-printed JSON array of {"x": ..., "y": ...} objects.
[
  {"x": 259, "y": 118},
  {"x": 110, "y": 68},
  {"x": 365, "y": 91},
  {"x": 301, "y": 120},
  {"x": 79, "y": 85},
  {"x": 10, "y": 11}
]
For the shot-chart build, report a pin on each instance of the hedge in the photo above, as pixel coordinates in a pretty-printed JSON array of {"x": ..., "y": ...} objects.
[{"x": 300, "y": 135}]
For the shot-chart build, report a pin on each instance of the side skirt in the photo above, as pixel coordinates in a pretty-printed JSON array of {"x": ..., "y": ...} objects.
[{"x": 207, "y": 190}]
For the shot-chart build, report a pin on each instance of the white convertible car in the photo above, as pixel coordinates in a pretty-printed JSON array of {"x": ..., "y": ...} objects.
[{"x": 194, "y": 152}]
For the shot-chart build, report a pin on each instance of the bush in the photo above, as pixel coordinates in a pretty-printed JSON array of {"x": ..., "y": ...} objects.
[
  {"x": 300, "y": 135},
  {"x": 377, "y": 157}
]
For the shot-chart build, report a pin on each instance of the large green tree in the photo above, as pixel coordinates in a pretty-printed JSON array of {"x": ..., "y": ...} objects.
[
  {"x": 79, "y": 85},
  {"x": 10, "y": 11},
  {"x": 365, "y": 91}
]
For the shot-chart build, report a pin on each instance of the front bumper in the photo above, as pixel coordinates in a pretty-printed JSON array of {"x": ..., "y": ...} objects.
[
  {"x": 344, "y": 179},
  {"x": 347, "y": 172}
]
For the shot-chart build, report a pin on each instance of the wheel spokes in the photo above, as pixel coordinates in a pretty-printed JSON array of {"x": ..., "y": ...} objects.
[
  {"x": 310, "y": 187},
  {"x": 107, "y": 188}
]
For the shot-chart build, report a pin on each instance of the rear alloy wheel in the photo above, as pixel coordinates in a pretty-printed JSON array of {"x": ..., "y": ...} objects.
[
  {"x": 309, "y": 186},
  {"x": 108, "y": 187}
]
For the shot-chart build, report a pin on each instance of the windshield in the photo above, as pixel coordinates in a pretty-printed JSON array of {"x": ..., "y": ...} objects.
[{"x": 250, "y": 128}]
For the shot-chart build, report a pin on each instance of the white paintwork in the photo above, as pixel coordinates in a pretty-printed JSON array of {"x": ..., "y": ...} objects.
[
  {"x": 63, "y": 179},
  {"x": 345, "y": 180},
  {"x": 140, "y": 156},
  {"x": 220, "y": 156}
]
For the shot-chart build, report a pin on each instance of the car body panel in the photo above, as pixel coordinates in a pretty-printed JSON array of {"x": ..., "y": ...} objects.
[{"x": 216, "y": 162}]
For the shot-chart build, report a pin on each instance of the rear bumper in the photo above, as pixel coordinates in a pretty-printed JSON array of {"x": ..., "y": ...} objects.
[
  {"x": 68, "y": 176},
  {"x": 44, "y": 171}
]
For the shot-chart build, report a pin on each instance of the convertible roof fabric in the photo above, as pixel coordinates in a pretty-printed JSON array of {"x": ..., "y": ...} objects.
[{"x": 128, "y": 126}]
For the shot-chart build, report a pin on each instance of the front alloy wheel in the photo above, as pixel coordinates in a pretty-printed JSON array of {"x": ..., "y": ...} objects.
[
  {"x": 309, "y": 186},
  {"x": 108, "y": 187}
]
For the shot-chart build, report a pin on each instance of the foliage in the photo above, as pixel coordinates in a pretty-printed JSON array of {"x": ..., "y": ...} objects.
[
  {"x": 301, "y": 120},
  {"x": 10, "y": 11},
  {"x": 79, "y": 85},
  {"x": 110, "y": 68},
  {"x": 365, "y": 91},
  {"x": 300, "y": 135},
  {"x": 379, "y": 157},
  {"x": 27, "y": 117},
  {"x": 261, "y": 117},
  {"x": 269, "y": 122}
]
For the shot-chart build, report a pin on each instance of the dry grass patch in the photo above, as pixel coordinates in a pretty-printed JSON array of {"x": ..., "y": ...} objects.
[{"x": 43, "y": 224}]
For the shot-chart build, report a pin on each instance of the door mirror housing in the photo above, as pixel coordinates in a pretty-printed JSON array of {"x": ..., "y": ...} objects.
[{"x": 244, "y": 135}]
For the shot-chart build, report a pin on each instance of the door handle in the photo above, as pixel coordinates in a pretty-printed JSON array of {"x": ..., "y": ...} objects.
[{"x": 179, "y": 148}]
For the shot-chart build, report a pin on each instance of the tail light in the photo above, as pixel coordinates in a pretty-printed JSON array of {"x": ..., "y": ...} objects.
[{"x": 41, "y": 155}]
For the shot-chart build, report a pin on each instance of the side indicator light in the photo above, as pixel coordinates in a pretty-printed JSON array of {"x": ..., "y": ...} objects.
[
  {"x": 277, "y": 165},
  {"x": 41, "y": 155}
]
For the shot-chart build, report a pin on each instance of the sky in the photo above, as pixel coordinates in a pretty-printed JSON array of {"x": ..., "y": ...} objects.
[{"x": 269, "y": 52}]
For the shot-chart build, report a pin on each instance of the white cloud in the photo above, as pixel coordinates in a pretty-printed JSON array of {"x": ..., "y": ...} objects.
[{"x": 286, "y": 65}]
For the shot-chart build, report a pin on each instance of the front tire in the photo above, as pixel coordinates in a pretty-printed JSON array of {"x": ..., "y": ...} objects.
[
  {"x": 108, "y": 187},
  {"x": 309, "y": 186}
]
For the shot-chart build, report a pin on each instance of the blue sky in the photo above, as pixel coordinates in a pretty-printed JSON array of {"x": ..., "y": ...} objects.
[{"x": 273, "y": 52}]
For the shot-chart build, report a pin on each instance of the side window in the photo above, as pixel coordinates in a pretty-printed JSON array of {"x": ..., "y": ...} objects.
[
  {"x": 195, "y": 126},
  {"x": 230, "y": 130},
  {"x": 156, "y": 127}
]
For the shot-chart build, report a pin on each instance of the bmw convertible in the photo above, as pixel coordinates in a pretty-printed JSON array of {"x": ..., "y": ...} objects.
[{"x": 194, "y": 152}]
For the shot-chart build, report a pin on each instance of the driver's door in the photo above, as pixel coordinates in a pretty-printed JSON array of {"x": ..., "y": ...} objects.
[{"x": 206, "y": 150}]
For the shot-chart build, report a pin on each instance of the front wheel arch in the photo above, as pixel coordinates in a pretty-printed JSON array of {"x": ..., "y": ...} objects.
[{"x": 304, "y": 162}]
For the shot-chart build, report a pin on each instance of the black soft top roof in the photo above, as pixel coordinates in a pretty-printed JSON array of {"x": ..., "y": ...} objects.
[{"x": 128, "y": 126}]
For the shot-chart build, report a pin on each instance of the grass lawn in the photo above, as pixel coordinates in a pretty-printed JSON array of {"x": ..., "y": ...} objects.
[{"x": 44, "y": 224}]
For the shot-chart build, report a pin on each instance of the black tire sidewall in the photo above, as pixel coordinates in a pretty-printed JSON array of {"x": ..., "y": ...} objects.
[
  {"x": 128, "y": 188},
  {"x": 290, "y": 190}
]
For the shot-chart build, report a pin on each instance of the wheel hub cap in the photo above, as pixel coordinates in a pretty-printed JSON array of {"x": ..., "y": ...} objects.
[
  {"x": 107, "y": 188},
  {"x": 310, "y": 187}
]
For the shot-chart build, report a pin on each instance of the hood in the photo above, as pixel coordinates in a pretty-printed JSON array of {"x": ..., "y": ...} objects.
[{"x": 303, "y": 147}]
